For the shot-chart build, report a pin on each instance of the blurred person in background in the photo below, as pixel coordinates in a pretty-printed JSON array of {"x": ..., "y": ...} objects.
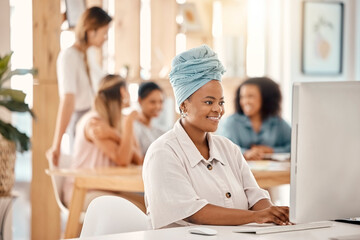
[
  {"x": 76, "y": 87},
  {"x": 257, "y": 126},
  {"x": 151, "y": 98},
  {"x": 105, "y": 138}
]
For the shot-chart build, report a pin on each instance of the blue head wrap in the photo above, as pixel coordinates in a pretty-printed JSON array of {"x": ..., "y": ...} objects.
[{"x": 193, "y": 69}]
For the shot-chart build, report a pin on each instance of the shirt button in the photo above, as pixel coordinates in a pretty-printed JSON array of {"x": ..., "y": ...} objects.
[
  {"x": 209, "y": 167},
  {"x": 228, "y": 195}
]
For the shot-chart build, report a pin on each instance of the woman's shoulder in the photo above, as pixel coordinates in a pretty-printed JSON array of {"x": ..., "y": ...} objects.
[
  {"x": 70, "y": 53},
  {"x": 236, "y": 117},
  {"x": 235, "y": 120},
  {"x": 278, "y": 120},
  {"x": 164, "y": 140},
  {"x": 223, "y": 143},
  {"x": 90, "y": 118}
]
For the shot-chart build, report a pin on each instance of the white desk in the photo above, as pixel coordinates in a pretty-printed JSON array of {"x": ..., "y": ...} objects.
[{"x": 225, "y": 233}]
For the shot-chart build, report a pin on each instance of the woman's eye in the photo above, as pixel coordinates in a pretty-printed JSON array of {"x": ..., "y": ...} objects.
[
  {"x": 221, "y": 103},
  {"x": 208, "y": 102}
]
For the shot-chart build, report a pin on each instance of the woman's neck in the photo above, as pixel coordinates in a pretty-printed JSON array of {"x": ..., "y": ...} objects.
[
  {"x": 197, "y": 136},
  {"x": 256, "y": 122},
  {"x": 146, "y": 120},
  {"x": 80, "y": 47}
]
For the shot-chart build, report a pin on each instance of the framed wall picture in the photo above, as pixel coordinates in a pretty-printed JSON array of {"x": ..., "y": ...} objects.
[
  {"x": 190, "y": 17},
  {"x": 322, "y": 38}
]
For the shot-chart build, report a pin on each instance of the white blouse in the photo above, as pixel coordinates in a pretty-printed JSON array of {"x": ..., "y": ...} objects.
[
  {"x": 179, "y": 182},
  {"x": 73, "y": 78}
]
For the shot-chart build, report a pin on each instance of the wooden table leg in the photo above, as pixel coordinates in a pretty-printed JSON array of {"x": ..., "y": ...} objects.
[{"x": 76, "y": 206}]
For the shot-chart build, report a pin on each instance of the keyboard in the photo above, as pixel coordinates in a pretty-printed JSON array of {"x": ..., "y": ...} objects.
[{"x": 267, "y": 228}]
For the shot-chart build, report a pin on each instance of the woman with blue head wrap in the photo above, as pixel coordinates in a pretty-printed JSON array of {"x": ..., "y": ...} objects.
[{"x": 194, "y": 177}]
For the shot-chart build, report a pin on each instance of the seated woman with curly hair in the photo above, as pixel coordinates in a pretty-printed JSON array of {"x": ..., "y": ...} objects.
[{"x": 257, "y": 126}]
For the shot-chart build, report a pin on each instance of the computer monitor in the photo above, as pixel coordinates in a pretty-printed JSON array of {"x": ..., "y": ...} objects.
[{"x": 325, "y": 151}]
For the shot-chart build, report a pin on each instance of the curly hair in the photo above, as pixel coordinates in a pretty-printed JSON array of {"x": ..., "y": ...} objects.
[{"x": 270, "y": 96}]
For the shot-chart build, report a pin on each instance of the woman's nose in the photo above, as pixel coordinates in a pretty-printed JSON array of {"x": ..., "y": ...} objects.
[{"x": 217, "y": 108}]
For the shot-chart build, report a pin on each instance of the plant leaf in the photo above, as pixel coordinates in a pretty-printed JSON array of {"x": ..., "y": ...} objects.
[
  {"x": 4, "y": 63},
  {"x": 17, "y": 72},
  {"x": 16, "y": 95},
  {"x": 9, "y": 132},
  {"x": 17, "y": 106}
]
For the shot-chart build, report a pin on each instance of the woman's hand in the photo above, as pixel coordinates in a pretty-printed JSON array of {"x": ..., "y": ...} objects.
[
  {"x": 273, "y": 214},
  {"x": 53, "y": 155},
  {"x": 263, "y": 148},
  {"x": 134, "y": 115},
  {"x": 253, "y": 154}
]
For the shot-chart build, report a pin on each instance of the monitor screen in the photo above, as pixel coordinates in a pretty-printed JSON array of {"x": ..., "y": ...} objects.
[{"x": 325, "y": 151}]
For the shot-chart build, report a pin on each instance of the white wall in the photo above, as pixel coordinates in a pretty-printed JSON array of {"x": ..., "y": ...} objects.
[
  {"x": 4, "y": 27},
  {"x": 289, "y": 68}
]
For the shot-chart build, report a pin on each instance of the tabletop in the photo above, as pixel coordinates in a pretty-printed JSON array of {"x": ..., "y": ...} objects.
[{"x": 340, "y": 231}]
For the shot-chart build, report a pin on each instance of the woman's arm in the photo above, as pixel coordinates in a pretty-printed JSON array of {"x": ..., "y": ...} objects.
[
  {"x": 66, "y": 108},
  {"x": 102, "y": 130},
  {"x": 119, "y": 149},
  {"x": 215, "y": 215},
  {"x": 138, "y": 157}
]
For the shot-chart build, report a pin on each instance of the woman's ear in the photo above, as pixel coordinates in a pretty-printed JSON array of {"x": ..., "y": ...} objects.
[{"x": 183, "y": 107}]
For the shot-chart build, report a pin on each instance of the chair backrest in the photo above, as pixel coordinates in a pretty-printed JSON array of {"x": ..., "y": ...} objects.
[
  {"x": 58, "y": 181},
  {"x": 113, "y": 214}
]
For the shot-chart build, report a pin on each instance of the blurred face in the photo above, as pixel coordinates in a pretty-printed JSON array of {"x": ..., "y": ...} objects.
[
  {"x": 250, "y": 100},
  {"x": 125, "y": 97},
  {"x": 152, "y": 104},
  {"x": 98, "y": 37},
  {"x": 205, "y": 107}
]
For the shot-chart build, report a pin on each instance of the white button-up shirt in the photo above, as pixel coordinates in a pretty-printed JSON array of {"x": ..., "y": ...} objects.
[{"x": 179, "y": 182}]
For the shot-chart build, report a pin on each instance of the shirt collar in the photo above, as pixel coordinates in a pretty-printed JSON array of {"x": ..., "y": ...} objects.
[{"x": 189, "y": 148}]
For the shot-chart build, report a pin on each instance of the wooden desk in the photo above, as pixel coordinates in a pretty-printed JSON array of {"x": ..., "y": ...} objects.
[
  {"x": 130, "y": 179},
  {"x": 338, "y": 231},
  {"x": 127, "y": 179},
  {"x": 270, "y": 173}
]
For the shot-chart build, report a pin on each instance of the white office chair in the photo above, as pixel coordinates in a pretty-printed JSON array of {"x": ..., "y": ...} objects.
[
  {"x": 113, "y": 214},
  {"x": 57, "y": 183}
]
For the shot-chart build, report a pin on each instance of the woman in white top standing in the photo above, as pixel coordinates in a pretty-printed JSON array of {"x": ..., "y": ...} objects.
[
  {"x": 76, "y": 88},
  {"x": 194, "y": 177},
  {"x": 151, "y": 99}
]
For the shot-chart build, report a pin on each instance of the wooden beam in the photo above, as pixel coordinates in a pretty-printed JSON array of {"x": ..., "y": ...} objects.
[
  {"x": 127, "y": 36},
  {"x": 163, "y": 36},
  {"x": 45, "y": 218}
]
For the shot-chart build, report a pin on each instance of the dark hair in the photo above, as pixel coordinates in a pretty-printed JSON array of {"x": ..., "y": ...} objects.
[
  {"x": 146, "y": 88},
  {"x": 270, "y": 96}
]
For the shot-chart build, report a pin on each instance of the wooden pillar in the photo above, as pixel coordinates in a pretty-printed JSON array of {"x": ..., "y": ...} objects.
[
  {"x": 163, "y": 36},
  {"x": 45, "y": 218},
  {"x": 127, "y": 36}
]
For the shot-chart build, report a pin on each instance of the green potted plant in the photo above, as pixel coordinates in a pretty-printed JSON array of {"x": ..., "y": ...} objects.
[{"x": 11, "y": 139}]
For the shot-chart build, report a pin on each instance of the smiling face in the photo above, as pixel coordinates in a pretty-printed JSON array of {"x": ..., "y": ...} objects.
[
  {"x": 250, "y": 100},
  {"x": 204, "y": 108},
  {"x": 152, "y": 104}
]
